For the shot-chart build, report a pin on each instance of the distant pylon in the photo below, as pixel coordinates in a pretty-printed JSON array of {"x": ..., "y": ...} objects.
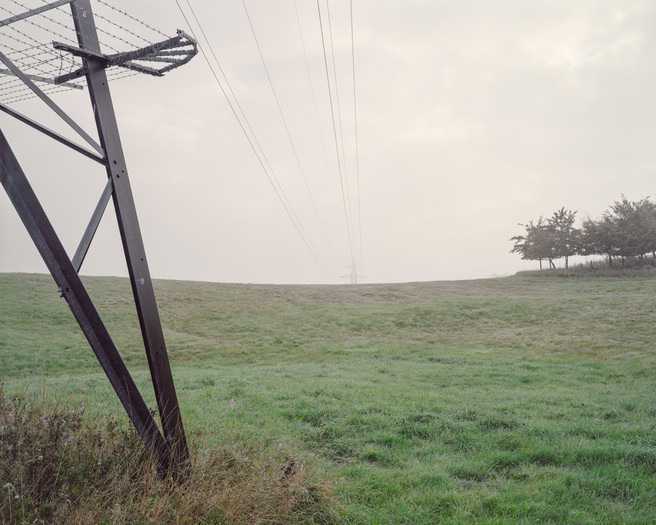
[{"x": 353, "y": 276}]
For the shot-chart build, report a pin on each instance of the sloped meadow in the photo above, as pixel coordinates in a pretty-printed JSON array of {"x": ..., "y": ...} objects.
[{"x": 519, "y": 399}]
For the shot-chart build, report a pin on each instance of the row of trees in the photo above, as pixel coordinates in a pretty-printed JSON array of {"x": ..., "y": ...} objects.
[{"x": 626, "y": 229}]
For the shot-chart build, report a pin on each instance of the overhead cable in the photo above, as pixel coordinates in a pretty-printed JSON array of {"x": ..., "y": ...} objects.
[
  {"x": 284, "y": 120},
  {"x": 355, "y": 124},
  {"x": 261, "y": 158},
  {"x": 310, "y": 83},
  {"x": 332, "y": 113},
  {"x": 259, "y": 152}
]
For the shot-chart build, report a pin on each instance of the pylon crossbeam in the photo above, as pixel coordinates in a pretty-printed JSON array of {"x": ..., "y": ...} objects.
[
  {"x": 33, "y": 12},
  {"x": 45, "y": 80},
  {"x": 52, "y": 134},
  {"x": 150, "y": 53}
]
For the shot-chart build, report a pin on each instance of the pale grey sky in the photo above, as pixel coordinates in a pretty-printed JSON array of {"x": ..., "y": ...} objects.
[{"x": 472, "y": 116}]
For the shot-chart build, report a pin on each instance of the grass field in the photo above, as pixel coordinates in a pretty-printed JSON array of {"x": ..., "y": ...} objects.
[{"x": 527, "y": 399}]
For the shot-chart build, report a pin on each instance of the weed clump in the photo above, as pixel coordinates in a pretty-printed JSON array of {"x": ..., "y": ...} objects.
[{"x": 57, "y": 466}]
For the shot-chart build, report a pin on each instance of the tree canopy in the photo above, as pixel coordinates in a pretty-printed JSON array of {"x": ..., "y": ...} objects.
[{"x": 626, "y": 229}]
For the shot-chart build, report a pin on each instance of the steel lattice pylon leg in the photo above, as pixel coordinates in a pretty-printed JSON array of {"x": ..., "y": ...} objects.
[
  {"x": 51, "y": 249},
  {"x": 169, "y": 447},
  {"x": 126, "y": 214}
]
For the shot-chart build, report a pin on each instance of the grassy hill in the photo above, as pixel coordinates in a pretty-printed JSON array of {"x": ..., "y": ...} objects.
[{"x": 520, "y": 399}]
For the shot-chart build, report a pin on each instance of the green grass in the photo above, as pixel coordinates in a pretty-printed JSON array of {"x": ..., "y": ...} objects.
[{"x": 526, "y": 399}]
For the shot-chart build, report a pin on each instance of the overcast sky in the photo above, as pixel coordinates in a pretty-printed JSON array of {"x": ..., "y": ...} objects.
[{"x": 472, "y": 116}]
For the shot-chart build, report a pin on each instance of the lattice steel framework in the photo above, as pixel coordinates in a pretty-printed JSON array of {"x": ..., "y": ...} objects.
[{"x": 34, "y": 67}]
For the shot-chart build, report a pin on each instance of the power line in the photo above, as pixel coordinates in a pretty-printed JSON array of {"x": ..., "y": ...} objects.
[
  {"x": 229, "y": 85},
  {"x": 355, "y": 124},
  {"x": 339, "y": 111},
  {"x": 332, "y": 113},
  {"x": 316, "y": 117},
  {"x": 261, "y": 157},
  {"x": 284, "y": 120},
  {"x": 273, "y": 179},
  {"x": 128, "y": 15},
  {"x": 310, "y": 83}
]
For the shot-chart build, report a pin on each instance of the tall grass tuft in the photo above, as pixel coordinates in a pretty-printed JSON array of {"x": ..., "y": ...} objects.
[{"x": 58, "y": 466}]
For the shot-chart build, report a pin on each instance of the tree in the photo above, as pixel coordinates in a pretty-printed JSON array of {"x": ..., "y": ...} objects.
[
  {"x": 635, "y": 226},
  {"x": 538, "y": 243},
  {"x": 565, "y": 236},
  {"x": 627, "y": 229},
  {"x": 599, "y": 238}
]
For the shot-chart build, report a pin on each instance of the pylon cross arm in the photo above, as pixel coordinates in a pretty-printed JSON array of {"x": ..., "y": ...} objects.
[{"x": 185, "y": 49}]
